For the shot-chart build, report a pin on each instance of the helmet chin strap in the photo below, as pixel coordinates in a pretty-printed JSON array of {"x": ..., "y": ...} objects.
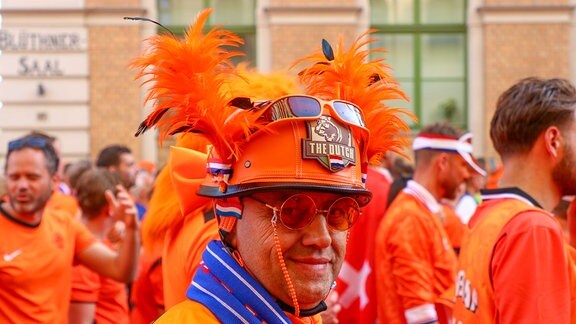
[
  {"x": 291, "y": 290},
  {"x": 285, "y": 307}
]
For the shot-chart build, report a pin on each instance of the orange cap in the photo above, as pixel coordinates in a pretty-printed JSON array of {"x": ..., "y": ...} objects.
[{"x": 294, "y": 154}]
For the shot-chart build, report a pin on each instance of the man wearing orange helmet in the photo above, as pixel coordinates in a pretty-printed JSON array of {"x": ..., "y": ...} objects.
[{"x": 287, "y": 176}]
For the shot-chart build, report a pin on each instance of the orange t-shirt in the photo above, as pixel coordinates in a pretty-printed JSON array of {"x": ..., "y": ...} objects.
[
  {"x": 147, "y": 296},
  {"x": 356, "y": 283},
  {"x": 515, "y": 266},
  {"x": 63, "y": 202},
  {"x": 454, "y": 227},
  {"x": 182, "y": 253},
  {"x": 109, "y": 295},
  {"x": 36, "y": 266},
  {"x": 415, "y": 262}
]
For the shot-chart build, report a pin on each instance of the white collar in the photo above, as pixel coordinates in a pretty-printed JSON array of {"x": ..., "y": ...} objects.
[{"x": 415, "y": 189}]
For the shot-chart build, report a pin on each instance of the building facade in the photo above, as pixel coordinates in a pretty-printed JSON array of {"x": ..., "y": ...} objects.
[{"x": 64, "y": 62}]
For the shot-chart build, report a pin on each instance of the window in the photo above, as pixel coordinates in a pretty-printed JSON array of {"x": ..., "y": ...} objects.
[
  {"x": 426, "y": 43},
  {"x": 235, "y": 15}
]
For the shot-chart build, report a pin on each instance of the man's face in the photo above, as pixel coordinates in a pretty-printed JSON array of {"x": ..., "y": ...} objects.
[
  {"x": 313, "y": 255},
  {"x": 28, "y": 182},
  {"x": 564, "y": 173},
  {"x": 127, "y": 169},
  {"x": 456, "y": 173}
]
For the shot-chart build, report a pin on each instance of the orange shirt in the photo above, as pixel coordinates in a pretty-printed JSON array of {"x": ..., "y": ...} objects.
[
  {"x": 356, "y": 281},
  {"x": 182, "y": 253},
  {"x": 415, "y": 262},
  {"x": 36, "y": 266},
  {"x": 190, "y": 311},
  {"x": 515, "y": 266},
  {"x": 109, "y": 295},
  {"x": 454, "y": 227},
  {"x": 63, "y": 202},
  {"x": 147, "y": 296}
]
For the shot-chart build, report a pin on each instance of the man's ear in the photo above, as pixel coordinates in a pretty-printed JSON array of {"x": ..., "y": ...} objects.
[
  {"x": 553, "y": 141},
  {"x": 441, "y": 161},
  {"x": 55, "y": 180}
]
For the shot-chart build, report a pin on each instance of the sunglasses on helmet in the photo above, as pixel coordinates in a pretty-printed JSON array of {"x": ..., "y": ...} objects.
[
  {"x": 298, "y": 211},
  {"x": 301, "y": 106}
]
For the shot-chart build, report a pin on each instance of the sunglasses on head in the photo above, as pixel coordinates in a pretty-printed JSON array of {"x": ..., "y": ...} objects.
[
  {"x": 24, "y": 142},
  {"x": 301, "y": 106},
  {"x": 298, "y": 211}
]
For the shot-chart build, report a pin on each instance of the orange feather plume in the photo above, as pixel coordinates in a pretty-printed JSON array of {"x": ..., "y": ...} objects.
[
  {"x": 187, "y": 85},
  {"x": 350, "y": 75}
]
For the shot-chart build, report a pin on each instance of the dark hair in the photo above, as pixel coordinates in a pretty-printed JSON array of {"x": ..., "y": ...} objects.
[
  {"x": 90, "y": 190},
  {"x": 110, "y": 155},
  {"x": 528, "y": 108},
  {"x": 37, "y": 143},
  {"x": 76, "y": 170},
  {"x": 442, "y": 128},
  {"x": 39, "y": 134}
]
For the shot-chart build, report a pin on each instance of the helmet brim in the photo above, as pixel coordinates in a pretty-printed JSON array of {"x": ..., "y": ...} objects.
[{"x": 361, "y": 195}]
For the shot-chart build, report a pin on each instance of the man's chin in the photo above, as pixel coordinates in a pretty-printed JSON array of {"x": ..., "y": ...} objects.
[{"x": 310, "y": 297}]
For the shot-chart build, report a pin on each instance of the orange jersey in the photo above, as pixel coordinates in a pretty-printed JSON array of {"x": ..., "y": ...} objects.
[
  {"x": 36, "y": 266},
  {"x": 190, "y": 311},
  {"x": 147, "y": 297},
  {"x": 182, "y": 253},
  {"x": 109, "y": 295},
  {"x": 454, "y": 227},
  {"x": 63, "y": 202},
  {"x": 415, "y": 262},
  {"x": 356, "y": 281},
  {"x": 515, "y": 266}
]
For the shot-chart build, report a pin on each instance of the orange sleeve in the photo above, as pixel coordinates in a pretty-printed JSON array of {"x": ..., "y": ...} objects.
[
  {"x": 83, "y": 237},
  {"x": 454, "y": 227},
  {"x": 85, "y": 285},
  {"x": 412, "y": 268},
  {"x": 529, "y": 274}
]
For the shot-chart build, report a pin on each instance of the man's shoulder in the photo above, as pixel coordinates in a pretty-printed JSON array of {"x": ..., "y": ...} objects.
[
  {"x": 58, "y": 217},
  {"x": 188, "y": 311},
  {"x": 528, "y": 220},
  {"x": 405, "y": 204}
]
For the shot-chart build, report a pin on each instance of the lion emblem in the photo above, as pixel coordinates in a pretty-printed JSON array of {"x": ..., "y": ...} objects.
[{"x": 326, "y": 128}]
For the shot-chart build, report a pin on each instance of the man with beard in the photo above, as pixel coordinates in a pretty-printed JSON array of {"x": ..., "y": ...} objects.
[
  {"x": 415, "y": 259},
  {"x": 119, "y": 159},
  {"x": 39, "y": 245},
  {"x": 514, "y": 266}
]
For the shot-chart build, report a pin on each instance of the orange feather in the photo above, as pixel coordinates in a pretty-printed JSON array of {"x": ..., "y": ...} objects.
[
  {"x": 351, "y": 76},
  {"x": 187, "y": 79}
]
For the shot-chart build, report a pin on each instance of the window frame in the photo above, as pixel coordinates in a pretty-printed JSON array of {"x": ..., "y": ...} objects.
[
  {"x": 240, "y": 30},
  {"x": 418, "y": 30}
]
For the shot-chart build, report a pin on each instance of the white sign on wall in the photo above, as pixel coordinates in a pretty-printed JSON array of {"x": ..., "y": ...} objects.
[
  {"x": 43, "y": 39},
  {"x": 43, "y": 65}
]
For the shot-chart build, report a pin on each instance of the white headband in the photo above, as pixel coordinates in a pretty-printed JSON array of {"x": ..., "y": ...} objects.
[{"x": 456, "y": 145}]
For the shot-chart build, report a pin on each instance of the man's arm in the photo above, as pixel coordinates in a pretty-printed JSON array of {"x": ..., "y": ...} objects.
[
  {"x": 413, "y": 269},
  {"x": 121, "y": 265}
]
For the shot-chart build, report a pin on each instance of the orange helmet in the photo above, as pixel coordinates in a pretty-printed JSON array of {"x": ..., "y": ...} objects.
[{"x": 320, "y": 152}]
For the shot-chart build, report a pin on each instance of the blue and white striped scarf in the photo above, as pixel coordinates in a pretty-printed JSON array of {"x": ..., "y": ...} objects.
[{"x": 221, "y": 271}]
